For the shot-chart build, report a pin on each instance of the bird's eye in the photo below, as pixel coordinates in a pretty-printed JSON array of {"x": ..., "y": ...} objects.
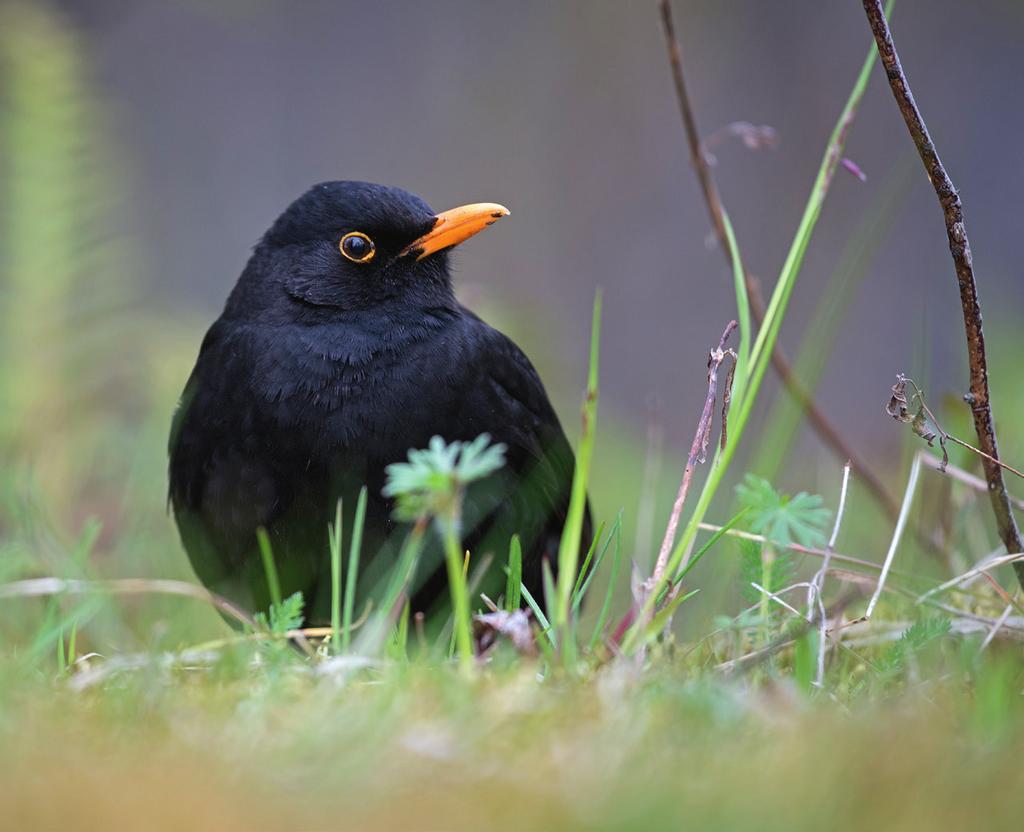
[{"x": 357, "y": 247}]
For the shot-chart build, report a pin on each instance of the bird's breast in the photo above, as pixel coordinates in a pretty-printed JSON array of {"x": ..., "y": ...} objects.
[{"x": 349, "y": 393}]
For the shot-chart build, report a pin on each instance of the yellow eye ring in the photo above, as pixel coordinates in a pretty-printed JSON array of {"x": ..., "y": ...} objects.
[{"x": 357, "y": 247}]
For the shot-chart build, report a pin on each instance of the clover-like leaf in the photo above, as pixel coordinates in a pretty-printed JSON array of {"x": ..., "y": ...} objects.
[
  {"x": 781, "y": 518},
  {"x": 433, "y": 478},
  {"x": 284, "y": 616}
]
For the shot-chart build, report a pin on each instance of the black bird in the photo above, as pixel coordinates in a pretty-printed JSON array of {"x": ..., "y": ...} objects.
[{"x": 341, "y": 347}]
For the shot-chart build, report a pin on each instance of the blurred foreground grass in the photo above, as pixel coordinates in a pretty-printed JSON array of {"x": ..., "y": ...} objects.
[
  {"x": 420, "y": 748},
  {"x": 919, "y": 723}
]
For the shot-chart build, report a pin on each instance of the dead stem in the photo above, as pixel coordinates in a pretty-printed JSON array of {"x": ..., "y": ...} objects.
[
  {"x": 125, "y": 586},
  {"x": 960, "y": 250},
  {"x": 698, "y": 449}
]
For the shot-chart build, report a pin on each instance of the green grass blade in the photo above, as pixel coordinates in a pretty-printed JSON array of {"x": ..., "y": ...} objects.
[
  {"x": 580, "y": 594},
  {"x": 334, "y": 536},
  {"x": 703, "y": 550},
  {"x": 61, "y": 662},
  {"x": 610, "y": 591},
  {"x": 586, "y": 562},
  {"x": 742, "y": 310},
  {"x": 538, "y": 613},
  {"x": 400, "y": 642},
  {"x": 269, "y": 567},
  {"x": 375, "y": 631},
  {"x": 569, "y": 549},
  {"x": 353, "y": 569},
  {"x": 462, "y": 617},
  {"x": 550, "y": 594},
  {"x": 73, "y": 642},
  {"x": 664, "y": 616},
  {"x": 839, "y": 292},
  {"x": 513, "y": 596}
]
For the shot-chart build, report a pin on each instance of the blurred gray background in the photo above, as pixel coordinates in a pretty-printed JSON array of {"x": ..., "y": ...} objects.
[{"x": 217, "y": 114}]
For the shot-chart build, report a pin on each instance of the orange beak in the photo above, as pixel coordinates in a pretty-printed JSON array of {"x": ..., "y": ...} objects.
[{"x": 454, "y": 226}]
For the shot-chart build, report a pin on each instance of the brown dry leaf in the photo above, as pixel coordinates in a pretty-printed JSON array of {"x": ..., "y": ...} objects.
[
  {"x": 921, "y": 422},
  {"x": 921, "y": 426},
  {"x": 897, "y": 407}
]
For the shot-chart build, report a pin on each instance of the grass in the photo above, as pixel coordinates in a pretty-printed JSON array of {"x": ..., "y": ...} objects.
[
  {"x": 127, "y": 703},
  {"x": 569, "y": 549},
  {"x": 417, "y": 749}
]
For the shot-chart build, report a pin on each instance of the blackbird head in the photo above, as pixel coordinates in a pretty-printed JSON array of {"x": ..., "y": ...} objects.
[{"x": 354, "y": 246}]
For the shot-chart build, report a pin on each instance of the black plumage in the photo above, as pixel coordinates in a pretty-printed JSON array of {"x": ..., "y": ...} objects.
[{"x": 341, "y": 347}]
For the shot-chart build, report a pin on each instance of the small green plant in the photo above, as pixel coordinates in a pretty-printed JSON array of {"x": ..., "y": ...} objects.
[
  {"x": 283, "y": 616},
  {"x": 433, "y": 481},
  {"x": 773, "y": 575},
  {"x": 781, "y": 518},
  {"x": 914, "y": 640},
  {"x": 431, "y": 485}
]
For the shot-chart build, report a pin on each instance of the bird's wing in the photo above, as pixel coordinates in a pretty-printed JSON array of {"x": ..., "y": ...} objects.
[
  {"x": 514, "y": 408},
  {"x": 223, "y": 484}
]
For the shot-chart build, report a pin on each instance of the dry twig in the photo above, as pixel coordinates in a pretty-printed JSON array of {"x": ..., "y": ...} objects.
[
  {"x": 897, "y": 534},
  {"x": 698, "y": 449},
  {"x": 814, "y": 591},
  {"x": 960, "y": 249},
  {"x": 982, "y": 569},
  {"x": 125, "y": 586},
  {"x": 994, "y": 630}
]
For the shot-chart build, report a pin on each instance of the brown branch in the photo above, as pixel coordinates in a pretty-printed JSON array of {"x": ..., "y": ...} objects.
[
  {"x": 819, "y": 422},
  {"x": 698, "y": 450},
  {"x": 960, "y": 249}
]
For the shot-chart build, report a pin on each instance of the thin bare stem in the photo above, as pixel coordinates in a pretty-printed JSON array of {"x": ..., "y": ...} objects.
[
  {"x": 698, "y": 450},
  {"x": 1017, "y": 624},
  {"x": 1002, "y": 593},
  {"x": 984, "y": 455},
  {"x": 960, "y": 250},
  {"x": 795, "y": 547},
  {"x": 125, "y": 586},
  {"x": 897, "y": 534},
  {"x": 814, "y": 591},
  {"x": 996, "y": 627},
  {"x": 854, "y": 577},
  {"x": 959, "y": 474},
  {"x": 773, "y": 597},
  {"x": 971, "y": 573},
  {"x": 785, "y": 639}
]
